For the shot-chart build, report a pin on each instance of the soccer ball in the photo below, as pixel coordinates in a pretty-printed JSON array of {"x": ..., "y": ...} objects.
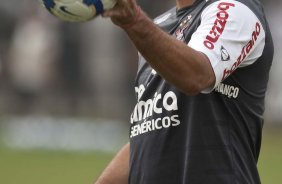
[{"x": 77, "y": 10}]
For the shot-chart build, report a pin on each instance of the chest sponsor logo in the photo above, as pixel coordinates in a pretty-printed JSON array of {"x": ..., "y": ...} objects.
[
  {"x": 245, "y": 51},
  {"x": 157, "y": 113},
  {"x": 139, "y": 90},
  {"x": 227, "y": 90},
  {"x": 219, "y": 24}
]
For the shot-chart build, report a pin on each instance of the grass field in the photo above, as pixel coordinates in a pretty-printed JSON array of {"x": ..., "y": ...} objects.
[
  {"x": 45, "y": 167},
  {"x": 34, "y": 167},
  {"x": 270, "y": 162}
]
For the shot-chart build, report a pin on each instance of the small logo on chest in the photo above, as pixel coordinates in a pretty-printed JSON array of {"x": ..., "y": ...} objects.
[{"x": 179, "y": 33}]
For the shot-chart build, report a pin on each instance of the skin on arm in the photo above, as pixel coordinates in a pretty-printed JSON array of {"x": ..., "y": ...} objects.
[
  {"x": 117, "y": 171},
  {"x": 187, "y": 69}
]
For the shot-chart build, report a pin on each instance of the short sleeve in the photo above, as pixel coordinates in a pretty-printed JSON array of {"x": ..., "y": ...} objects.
[{"x": 230, "y": 35}]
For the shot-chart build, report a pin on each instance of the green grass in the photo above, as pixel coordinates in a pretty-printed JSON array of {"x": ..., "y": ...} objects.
[
  {"x": 270, "y": 162},
  {"x": 52, "y": 167},
  {"x": 34, "y": 167}
]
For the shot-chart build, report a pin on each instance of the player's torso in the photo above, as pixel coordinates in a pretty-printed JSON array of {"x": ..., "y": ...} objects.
[{"x": 179, "y": 139}]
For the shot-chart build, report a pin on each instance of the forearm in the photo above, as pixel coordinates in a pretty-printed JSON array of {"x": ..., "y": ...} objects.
[
  {"x": 117, "y": 171},
  {"x": 187, "y": 69},
  {"x": 190, "y": 71}
]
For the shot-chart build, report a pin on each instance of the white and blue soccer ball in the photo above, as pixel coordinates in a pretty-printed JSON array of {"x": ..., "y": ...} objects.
[{"x": 77, "y": 10}]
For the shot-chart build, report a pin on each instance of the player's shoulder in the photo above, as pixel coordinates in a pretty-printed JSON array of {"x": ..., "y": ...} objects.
[{"x": 240, "y": 10}]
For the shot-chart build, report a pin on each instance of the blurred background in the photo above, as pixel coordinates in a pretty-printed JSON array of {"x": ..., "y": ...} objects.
[{"x": 66, "y": 93}]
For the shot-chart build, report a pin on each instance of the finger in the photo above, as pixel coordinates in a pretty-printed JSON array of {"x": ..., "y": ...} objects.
[
  {"x": 122, "y": 2},
  {"x": 132, "y": 3}
]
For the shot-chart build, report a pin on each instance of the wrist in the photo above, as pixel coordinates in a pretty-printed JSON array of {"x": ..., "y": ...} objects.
[{"x": 137, "y": 17}]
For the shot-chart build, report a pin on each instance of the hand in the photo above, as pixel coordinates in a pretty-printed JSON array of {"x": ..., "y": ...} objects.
[{"x": 124, "y": 13}]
